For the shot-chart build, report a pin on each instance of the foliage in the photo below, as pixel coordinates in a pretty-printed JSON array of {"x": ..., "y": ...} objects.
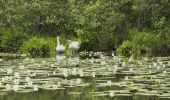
[
  {"x": 39, "y": 47},
  {"x": 142, "y": 42},
  {"x": 99, "y": 25},
  {"x": 125, "y": 49},
  {"x": 97, "y": 22},
  {"x": 12, "y": 40},
  {"x": 36, "y": 16}
]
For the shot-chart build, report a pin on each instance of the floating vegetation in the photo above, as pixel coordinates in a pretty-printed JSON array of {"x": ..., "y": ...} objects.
[{"x": 97, "y": 74}]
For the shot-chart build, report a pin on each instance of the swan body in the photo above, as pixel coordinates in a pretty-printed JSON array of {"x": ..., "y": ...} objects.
[
  {"x": 74, "y": 45},
  {"x": 60, "y": 48}
]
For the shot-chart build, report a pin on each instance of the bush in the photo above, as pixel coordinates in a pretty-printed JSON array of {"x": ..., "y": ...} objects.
[
  {"x": 12, "y": 40},
  {"x": 139, "y": 43},
  {"x": 125, "y": 49},
  {"x": 39, "y": 47},
  {"x": 144, "y": 43}
]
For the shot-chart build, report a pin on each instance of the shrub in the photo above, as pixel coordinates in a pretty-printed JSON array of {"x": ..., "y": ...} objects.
[
  {"x": 125, "y": 49},
  {"x": 139, "y": 43},
  {"x": 147, "y": 42},
  {"x": 12, "y": 40},
  {"x": 39, "y": 47}
]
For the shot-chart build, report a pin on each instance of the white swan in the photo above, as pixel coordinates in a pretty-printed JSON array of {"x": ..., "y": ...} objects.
[
  {"x": 59, "y": 48},
  {"x": 74, "y": 45}
]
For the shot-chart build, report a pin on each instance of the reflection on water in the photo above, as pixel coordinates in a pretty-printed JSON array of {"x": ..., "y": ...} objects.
[{"x": 60, "y": 57}]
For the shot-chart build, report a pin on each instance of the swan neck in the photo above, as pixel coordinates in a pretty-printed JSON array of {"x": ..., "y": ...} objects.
[{"x": 58, "y": 42}]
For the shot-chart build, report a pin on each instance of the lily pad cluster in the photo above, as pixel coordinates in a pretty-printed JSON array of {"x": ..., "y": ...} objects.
[{"x": 103, "y": 74}]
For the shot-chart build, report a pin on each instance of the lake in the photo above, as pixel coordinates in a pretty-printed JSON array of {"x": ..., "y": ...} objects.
[{"x": 87, "y": 76}]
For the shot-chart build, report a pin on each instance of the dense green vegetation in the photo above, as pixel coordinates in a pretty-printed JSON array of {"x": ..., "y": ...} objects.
[
  {"x": 12, "y": 40},
  {"x": 127, "y": 26},
  {"x": 39, "y": 47}
]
